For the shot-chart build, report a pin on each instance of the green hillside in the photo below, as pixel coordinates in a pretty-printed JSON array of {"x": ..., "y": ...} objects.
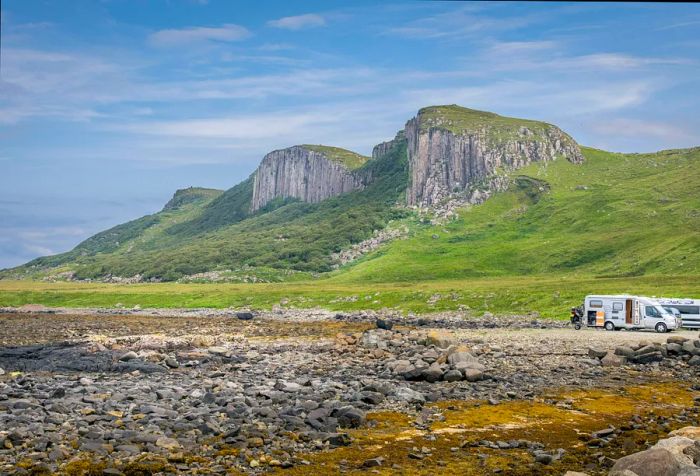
[
  {"x": 218, "y": 233},
  {"x": 614, "y": 215}
]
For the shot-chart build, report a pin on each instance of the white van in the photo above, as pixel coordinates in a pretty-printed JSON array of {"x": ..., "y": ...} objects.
[
  {"x": 627, "y": 312},
  {"x": 689, "y": 309}
]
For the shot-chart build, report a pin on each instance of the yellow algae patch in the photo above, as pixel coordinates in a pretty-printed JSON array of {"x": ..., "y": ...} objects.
[{"x": 565, "y": 420}]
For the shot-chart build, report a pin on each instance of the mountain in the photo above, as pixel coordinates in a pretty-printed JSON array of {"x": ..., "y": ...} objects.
[{"x": 552, "y": 207}]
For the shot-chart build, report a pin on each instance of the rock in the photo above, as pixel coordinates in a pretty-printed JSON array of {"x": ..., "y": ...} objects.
[
  {"x": 674, "y": 349},
  {"x": 652, "y": 462},
  {"x": 408, "y": 395},
  {"x": 647, "y": 357},
  {"x": 473, "y": 375},
  {"x": 131, "y": 355},
  {"x": 544, "y": 458},
  {"x": 385, "y": 324},
  {"x": 172, "y": 363},
  {"x": 596, "y": 353},
  {"x": 168, "y": 443},
  {"x": 452, "y": 376},
  {"x": 2, "y": 372},
  {"x": 299, "y": 172},
  {"x": 458, "y": 357},
  {"x": 694, "y": 360},
  {"x": 217, "y": 350},
  {"x": 373, "y": 462},
  {"x": 612, "y": 360},
  {"x": 440, "y": 339},
  {"x": 624, "y": 351},
  {"x": 349, "y": 416},
  {"x": 575, "y": 473},
  {"x": 676, "y": 340},
  {"x": 432, "y": 373},
  {"x": 244, "y": 316},
  {"x": 471, "y": 155}
]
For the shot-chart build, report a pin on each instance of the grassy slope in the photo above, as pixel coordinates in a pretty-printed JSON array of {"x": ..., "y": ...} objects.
[
  {"x": 520, "y": 251},
  {"x": 640, "y": 214},
  {"x": 220, "y": 234},
  {"x": 351, "y": 160}
]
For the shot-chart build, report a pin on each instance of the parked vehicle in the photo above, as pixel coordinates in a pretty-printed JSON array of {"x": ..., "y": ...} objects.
[
  {"x": 688, "y": 308},
  {"x": 627, "y": 312}
]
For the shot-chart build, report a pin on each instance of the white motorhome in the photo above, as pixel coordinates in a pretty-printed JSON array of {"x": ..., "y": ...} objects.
[
  {"x": 627, "y": 312},
  {"x": 689, "y": 309}
]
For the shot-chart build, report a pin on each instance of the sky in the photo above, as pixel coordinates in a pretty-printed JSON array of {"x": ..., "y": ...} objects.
[{"x": 108, "y": 107}]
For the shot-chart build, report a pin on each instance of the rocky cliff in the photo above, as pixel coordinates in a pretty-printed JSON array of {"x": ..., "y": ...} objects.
[
  {"x": 309, "y": 173},
  {"x": 451, "y": 149}
]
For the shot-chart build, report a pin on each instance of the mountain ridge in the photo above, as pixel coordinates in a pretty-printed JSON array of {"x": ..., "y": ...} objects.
[{"x": 304, "y": 230}]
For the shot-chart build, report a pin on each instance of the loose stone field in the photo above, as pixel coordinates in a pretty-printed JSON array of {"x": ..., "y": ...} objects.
[{"x": 304, "y": 392}]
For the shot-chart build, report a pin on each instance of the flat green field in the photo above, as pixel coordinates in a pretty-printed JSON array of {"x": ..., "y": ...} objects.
[{"x": 550, "y": 296}]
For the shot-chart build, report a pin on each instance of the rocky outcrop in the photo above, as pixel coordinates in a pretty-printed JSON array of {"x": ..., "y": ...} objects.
[
  {"x": 297, "y": 172},
  {"x": 380, "y": 150},
  {"x": 443, "y": 161}
]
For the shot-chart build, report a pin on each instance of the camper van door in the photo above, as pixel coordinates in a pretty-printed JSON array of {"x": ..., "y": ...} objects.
[{"x": 638, "y": 312}]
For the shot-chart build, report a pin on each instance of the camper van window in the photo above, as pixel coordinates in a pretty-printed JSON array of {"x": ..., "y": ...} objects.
[
  {"x": 596, "y": 303},
  {"x": 652, "y": 312},
  {"x": 618, "y": 306},
  {"x": 688, "y": 309}
]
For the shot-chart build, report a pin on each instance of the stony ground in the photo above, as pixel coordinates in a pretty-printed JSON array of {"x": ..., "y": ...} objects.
[{"x": 216, "y": 392}]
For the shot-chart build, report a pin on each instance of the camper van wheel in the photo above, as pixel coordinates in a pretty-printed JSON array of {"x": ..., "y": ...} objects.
[
  {"x": 661, "y": 328},
  {"x": 609, "y": 326},
  {"x": 577, "y": 326}
]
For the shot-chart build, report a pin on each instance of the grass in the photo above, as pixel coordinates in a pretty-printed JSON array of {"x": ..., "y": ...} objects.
[
  {"x": 615, "y": 215},
  {"x": 351, "y": 160},
  {"x": 551, "y": 296},
  {"x": 461, "y": 120}
]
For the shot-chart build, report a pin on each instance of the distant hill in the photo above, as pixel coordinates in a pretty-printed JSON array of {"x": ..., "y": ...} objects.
[{"x": 479, "y": 195}]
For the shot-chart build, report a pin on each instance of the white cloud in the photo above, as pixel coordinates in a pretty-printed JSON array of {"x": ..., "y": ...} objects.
[
  {"x": 640, "y": 128},
  {"x": 298, "y": 22},
  {"x": 199, "y": 34}
]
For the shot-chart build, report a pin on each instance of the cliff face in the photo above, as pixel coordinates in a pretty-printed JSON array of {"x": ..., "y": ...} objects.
[
  {"x": 298, "y": 172},
  {"x": 449, "y": 152}
]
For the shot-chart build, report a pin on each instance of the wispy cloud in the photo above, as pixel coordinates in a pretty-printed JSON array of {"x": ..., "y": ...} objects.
[
  {"x": 298, "y": 22},
  {"x": 199, "y": 34},
  {"x": 637, "y": 127}
]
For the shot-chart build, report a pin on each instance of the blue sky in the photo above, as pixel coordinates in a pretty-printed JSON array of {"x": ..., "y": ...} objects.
[{"x": 106, "y": 108}]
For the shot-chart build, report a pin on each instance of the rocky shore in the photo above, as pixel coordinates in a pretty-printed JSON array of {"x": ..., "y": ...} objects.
[{"x": 216, "y": 392}]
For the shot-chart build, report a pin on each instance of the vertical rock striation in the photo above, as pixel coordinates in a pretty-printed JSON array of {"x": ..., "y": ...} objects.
[
  {"x": 450, "y": 149},
  {"x": 298, "y": 172}
]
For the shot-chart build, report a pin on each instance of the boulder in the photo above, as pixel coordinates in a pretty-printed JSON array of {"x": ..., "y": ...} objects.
[
  {"x": 473, "y": 375},
  {"x": 674, "y": 349},
  {"x": 385, "y": 324},
  {"x": 694, "y": 361},
  {"x": 349, "y": 416},
  {"x": 452, "y": 376},
  {"x": 596, "y": 353},
  {"x": 652, "y": 462},
  {"x": 624, "y": 351},
  {"x": 408, "y": 395},
  {"x": 612, "y": 360},
  {"x": 131, "y": 355},
  {"x": 676, "y": 340},
  {"x": 432, "y": 373},
  {"x": 440, "y": 339},
  {"x": 244, "y": 316}
]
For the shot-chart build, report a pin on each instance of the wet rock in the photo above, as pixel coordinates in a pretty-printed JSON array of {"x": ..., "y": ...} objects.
[
  {"x": 244, "y": 316},
  {"x": 384, "y": 324}
]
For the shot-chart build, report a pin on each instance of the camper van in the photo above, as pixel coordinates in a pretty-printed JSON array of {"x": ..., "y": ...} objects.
[
  {"x": 688, "y": 308},
  {"x": 628, "y": 312}
]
